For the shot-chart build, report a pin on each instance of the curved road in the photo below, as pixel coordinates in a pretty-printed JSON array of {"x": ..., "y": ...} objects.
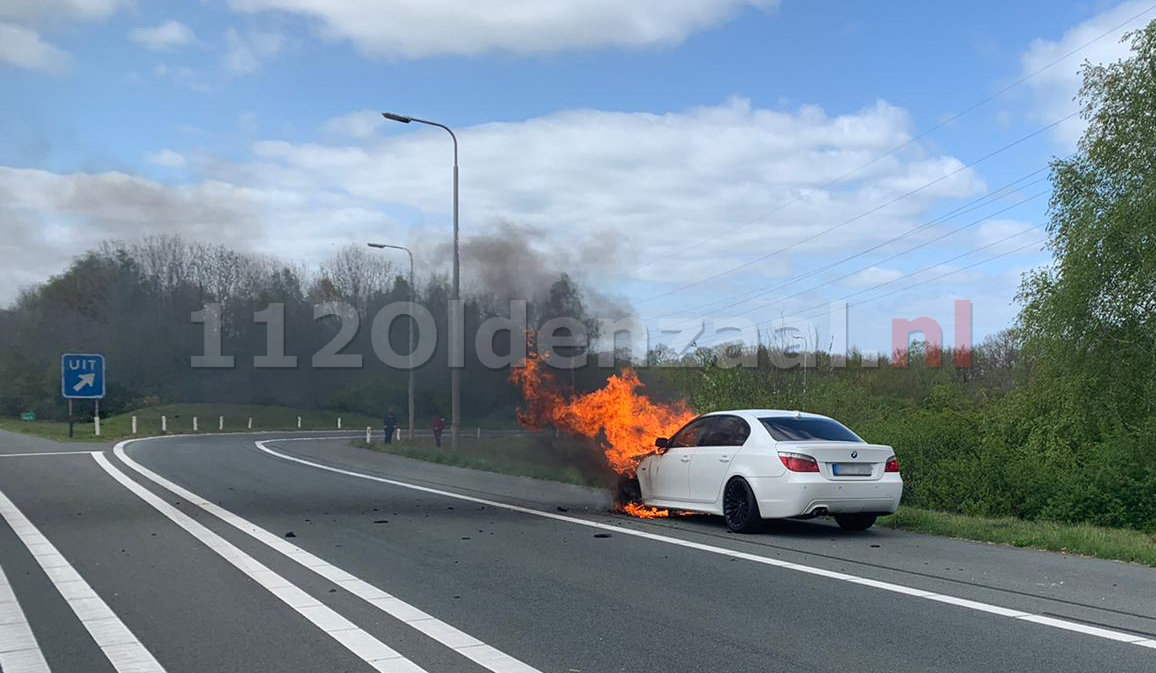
[{"x": 254, "y": 553}]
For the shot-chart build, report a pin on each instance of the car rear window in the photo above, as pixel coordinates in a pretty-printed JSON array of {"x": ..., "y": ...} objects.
[{"x": 786, "y": 429}]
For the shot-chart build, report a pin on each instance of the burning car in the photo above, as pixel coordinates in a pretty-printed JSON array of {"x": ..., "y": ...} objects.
[{"x": 757, "y": 464}]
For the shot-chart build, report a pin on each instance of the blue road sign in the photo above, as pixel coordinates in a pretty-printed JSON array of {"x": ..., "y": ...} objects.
[{"x": 82, "y": 376}]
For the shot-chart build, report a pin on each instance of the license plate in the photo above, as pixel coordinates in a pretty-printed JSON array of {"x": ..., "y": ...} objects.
[{"x": 851, "y": 469}]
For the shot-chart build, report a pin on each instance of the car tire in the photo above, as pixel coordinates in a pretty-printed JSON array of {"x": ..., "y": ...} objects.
[
  {"x": 629, "y": 490},
  {"x": 855, "y": 521},
  {"x": 740, "y": 509}
]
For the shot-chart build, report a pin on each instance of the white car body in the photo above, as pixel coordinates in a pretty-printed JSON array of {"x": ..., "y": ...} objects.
[{"x": 693, "y": 477}]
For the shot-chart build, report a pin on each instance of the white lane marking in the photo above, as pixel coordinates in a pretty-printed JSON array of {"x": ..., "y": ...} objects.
[
  {"x": 1077, "y": 627},
  {"x": 46, "y": 453},
  {"x": 367, "y": 648},
  {"x": 120, "y": 646},
  {"x": 453, "y": 638},
  {"x": 19, "y": 651}
]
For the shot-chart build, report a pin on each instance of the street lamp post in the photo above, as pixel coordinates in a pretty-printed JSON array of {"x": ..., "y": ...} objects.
[
  {"x": 412, "y": 320},
  {"x": 456, "y": 338}
]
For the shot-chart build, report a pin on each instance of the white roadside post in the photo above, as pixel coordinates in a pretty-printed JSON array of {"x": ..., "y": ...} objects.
[
  {"x": 134, "y": 425},
  {"x": 298, "y": 422},
  {"x": 250, "y": 422},
  {"x": 164, "y": 424},
  {"x": 368, "y": 435},
  {"x": 96, "y": 423},
  {"x": 338, "y": 422},
  {"x": 397, "y": 435},
  {"x": 194, "y": 423},
  {"x": 220, "y": 422},
  {"x": 479, "y": 433}
]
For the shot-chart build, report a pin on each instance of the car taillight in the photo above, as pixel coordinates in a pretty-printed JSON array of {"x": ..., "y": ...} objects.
[
  {"x": 797, "y": 462},
  {"x": 892, "y": 465}
]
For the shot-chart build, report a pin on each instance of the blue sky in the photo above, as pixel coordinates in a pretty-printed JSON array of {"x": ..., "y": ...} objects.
[{"x": 624, "y": 141}]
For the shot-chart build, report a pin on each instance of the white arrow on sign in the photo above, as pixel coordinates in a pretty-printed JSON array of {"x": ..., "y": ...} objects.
[{"x": 86, "y": 380}]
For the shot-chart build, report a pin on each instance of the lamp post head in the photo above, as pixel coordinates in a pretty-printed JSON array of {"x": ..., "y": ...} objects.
[
  {"x": 376, "y": 245},
  {"x": 397, "y": 118}
]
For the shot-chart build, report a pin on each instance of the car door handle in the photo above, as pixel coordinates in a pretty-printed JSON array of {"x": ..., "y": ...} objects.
[
  {"x": 724, "y": 459},
  {"x": 685, "y": 459}
]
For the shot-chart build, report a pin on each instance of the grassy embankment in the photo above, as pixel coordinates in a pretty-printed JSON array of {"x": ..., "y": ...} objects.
[
  {"x": 180, "y": 421},
  {"x": 1117, "y": 544},
  {"x": 527, "y": 456}
]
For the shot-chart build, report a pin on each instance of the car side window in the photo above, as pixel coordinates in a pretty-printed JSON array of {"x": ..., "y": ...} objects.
[
  {"x": 690, "y": 434},
  {"x": 726, "y": 431}
]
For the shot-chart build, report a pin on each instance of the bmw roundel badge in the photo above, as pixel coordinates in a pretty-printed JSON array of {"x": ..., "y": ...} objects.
[{"x": 854, "y": 454}]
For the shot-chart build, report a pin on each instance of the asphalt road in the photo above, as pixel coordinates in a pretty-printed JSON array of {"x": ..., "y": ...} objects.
[{"x": 207, "y": 553}]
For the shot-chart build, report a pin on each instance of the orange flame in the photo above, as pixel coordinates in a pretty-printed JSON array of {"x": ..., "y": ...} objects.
[
  {"x": 644, "y": 512},
  {"x": 618, "y": 416}
]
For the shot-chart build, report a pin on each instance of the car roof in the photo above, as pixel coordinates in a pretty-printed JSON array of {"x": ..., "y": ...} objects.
[{"x": 766, "y": 413}]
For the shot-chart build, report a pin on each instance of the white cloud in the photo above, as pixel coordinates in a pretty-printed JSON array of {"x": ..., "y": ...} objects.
[
  {"x": 656, "y": 181},
  {"x": 1054, "y": 90},
  {"x": 611, "y": 189},
  {"x": 167, "y": 158},
  {"x": 244, "y": 55},
  {"x": 164, "y": 36},
  {"x": 23, "y": 48},
  {"x": 873, "y": 276},
  {"x": 421, "y": 28},
  {"x": 360, "y": 124},
  {"x": 55, "y": 10},
  {"x": 183, "y": 76},
  {"x": 47, "y": 218},
  {"x": 993, "y": 232}
]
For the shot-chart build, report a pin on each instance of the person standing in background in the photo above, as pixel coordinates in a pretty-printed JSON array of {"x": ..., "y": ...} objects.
[
  {"x": 390, "y": 424},
  {"x": 438, "y": 426}
]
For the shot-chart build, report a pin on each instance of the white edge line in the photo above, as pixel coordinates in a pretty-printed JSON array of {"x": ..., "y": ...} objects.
[
  {"x": 1066, "y": 625},
  {"x": 19, "y": 650},
  {"x": 477, "y": 651},
  {"x": 37, "y": 454},
  {"x": 367, "y": 648},
  {"x": 115, "y": 640}
]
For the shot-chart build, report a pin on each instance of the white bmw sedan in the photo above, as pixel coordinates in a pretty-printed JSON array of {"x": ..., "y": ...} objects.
[{"x": 758, "y": 464}]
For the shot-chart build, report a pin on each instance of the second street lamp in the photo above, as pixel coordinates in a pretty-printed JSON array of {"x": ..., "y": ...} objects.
[
  {"x": 412, "y": 320},
  {"x": 456, "y": 338}
]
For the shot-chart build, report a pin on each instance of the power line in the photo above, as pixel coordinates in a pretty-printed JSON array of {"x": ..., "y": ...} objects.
[
  {"x": 860, "y": 216},
  {"x": 910, "y": 141},
  {"x": 898, "y": 254},
  {"x": 807, "y": 312},
  {"x": 963, "y": 209}
]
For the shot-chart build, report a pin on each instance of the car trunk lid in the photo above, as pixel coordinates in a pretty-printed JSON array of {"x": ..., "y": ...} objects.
[{"x": 844, "y": 460}]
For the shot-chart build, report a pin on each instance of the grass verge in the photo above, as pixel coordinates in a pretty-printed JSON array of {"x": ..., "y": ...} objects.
[
  {"x": 180, "y": 421},
  {"x": 1115, "y": 544},
  {"x": 521, "y": 455}
]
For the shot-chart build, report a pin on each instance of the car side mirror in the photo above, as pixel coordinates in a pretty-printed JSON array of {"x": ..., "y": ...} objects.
[{"x": 662, "y": 442}]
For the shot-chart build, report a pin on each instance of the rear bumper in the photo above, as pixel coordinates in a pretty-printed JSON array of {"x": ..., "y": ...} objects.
[{"x": 795, "y": 494}]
